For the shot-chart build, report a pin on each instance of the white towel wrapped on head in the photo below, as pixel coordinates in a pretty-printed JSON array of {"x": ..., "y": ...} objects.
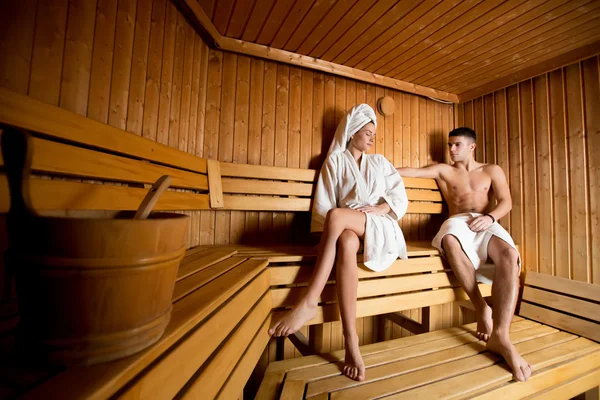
[{"x": 474, "y": 244}]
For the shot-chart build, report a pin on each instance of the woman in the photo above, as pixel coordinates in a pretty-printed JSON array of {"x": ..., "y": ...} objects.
[{"x": 359, "y": 197}]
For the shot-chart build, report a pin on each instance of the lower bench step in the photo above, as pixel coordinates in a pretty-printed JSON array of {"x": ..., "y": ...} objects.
[{"x": 449, "y": 363}]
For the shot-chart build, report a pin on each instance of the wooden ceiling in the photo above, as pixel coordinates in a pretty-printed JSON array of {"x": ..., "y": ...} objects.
[{"x": 449, "y": 45}]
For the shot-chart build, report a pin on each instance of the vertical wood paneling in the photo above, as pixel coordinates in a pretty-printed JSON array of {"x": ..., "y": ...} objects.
[
  {"x": 153, "y": 74},
  {"x": 177, "y": 83},
  {"x": 560, "y": 181},
  {"x": 307, "y": 118},
  {"x": 135, "y": 110},
  {"x": 75, "y": 84},
  {"x": 591, "y": 85},
  {"x": 577, "y": 168},
  {"x": 119, "y": 87},
  {"x": 530, "y": 208},
  {"x": 48, "y": 51},
  {"x": 544, "y": 176},
  {"x": 164, "y": 106},
  {"x": 186, "y": 89},
  {"x": 545, "y": 132},
  {"x": 16, "y": 50},
  {"x": 295, "y": 122},
  {"x": 202, "y": 89}
]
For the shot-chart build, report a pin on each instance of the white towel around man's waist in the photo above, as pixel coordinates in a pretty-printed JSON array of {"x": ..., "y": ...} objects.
[{"x": 474, "y": 244}]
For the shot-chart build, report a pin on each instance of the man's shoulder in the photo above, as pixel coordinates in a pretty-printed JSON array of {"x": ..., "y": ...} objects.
[{"x": 491, "y": 168}]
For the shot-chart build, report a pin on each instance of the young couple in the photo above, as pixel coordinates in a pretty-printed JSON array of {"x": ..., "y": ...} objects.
[{"x": 360, "y": 197}]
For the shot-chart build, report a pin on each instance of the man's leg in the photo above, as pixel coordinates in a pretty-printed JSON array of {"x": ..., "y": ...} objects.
[
  {"x": 465, "y": 274},
  {"x": 347, "y": 283},
  {"x": 504, "y": 298},
  {"x": 336, "y": 222}
]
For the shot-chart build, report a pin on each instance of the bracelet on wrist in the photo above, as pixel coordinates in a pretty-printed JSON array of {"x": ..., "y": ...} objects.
[{"x": 492, "y": 217}]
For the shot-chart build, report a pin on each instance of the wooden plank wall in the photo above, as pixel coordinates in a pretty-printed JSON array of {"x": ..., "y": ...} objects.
[
  {"x": 545, "y": 132},
  {"x": 139, "y": 65}
]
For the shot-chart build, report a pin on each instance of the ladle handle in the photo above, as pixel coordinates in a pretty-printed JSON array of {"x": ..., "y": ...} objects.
[
  {"x": 152, "y": 197},
  {"x": 17, "y": 153}
]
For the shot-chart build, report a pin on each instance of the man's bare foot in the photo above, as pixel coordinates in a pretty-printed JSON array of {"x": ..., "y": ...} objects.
[
  {"x": 354, "y": 367},
  {"x": 484, "y": 324},
  {"x": 294, "y": 319},
  {"x": 502, "y": 345}
]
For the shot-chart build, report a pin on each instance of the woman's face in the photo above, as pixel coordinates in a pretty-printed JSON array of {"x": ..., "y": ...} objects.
[{"x": 364, "y": 138}]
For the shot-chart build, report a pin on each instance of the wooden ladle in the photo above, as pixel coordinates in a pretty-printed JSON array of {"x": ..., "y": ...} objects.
[
  {"x": 17, "y": 153},
  {"x": 152, "y": 196}
]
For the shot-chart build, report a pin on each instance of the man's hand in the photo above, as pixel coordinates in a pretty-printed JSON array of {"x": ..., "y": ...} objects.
[
  {"x": 480, "y": 223},
  {"x": 381, "y": 209}
]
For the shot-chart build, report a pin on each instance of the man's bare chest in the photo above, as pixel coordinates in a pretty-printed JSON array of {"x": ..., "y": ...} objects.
[{"x": 460, "y": 183}]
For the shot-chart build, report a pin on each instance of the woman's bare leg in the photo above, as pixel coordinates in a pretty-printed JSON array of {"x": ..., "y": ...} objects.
[
  {"x": 336, "y": 222},
  {"x": 347, "y": 283}
]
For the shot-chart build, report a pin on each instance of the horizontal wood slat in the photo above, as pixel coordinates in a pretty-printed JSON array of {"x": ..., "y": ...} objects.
[
  {"x": 252, "y": 203},
  {"x": 49, "y": 194},
  {"x": 59, "y": 158},
  {"x": 287, "y": 297},
  {"x": 258, "y": 187},
  {"x": 384, "y": 305},
  {"x": 564, "y": 286},
  {"x": 420, "y": 183},
  {"x": 566, "y": 322},
  {"x": 27, "y": 113},
  {"x": 559, "y": 302},
  {"x": 268, "y": 172},
  {"x": 295, "y": 274},
  {"x": 252, "y": 186}
]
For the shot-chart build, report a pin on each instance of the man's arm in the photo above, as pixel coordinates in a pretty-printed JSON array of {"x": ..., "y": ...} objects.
[
  {"x": 501, "y": 192},
  {"x": 430, "y": 171}
]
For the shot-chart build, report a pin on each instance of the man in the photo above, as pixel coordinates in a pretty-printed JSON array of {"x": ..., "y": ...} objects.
[{"x": 471, "y": 236}]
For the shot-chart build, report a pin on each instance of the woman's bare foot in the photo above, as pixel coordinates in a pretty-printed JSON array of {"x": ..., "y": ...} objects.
[
  {"x": 294, "y": 319},
  {"x": 484, "y": 324},
  {"x": 354, "y": 367},
  {"x": 502, "y": 345}
]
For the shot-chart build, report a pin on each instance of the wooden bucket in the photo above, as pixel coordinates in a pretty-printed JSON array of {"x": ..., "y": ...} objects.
[{"x": 94, "y": 290}]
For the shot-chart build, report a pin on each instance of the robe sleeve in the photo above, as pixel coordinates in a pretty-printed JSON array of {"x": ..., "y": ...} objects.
[
  {"x": 325, "y": 196},
  {"x": 395, "y": 192}
]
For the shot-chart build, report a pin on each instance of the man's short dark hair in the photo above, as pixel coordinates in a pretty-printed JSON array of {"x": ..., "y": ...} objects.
[{"x": 464, "y": 131}]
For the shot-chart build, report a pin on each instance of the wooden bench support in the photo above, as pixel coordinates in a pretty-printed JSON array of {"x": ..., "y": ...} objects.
[
  {"x": 301, "y": 343},
  {"x": 407, "y": 323}
]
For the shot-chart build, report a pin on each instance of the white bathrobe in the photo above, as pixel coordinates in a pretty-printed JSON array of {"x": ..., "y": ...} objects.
[{"x": 342, "y": 184}]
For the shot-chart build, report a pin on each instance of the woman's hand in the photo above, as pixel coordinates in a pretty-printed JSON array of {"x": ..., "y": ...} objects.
[
  {"x": 480, "y": 223},
  {"x": 380, "y": 209}
]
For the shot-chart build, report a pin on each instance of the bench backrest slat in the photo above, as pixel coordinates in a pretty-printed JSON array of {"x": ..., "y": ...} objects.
[
  {"x": 70, "y": 150},
  {"x": 47, "y": 194},
  {"x": 62, "y": 159},
  {"x": 27, "y": 113},
  {"x": 294, "y": 187},
  {"x": 562, "y": 303}
]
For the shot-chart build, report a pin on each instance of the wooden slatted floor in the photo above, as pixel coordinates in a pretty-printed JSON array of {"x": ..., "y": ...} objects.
[{"x": 450, "y": 363}]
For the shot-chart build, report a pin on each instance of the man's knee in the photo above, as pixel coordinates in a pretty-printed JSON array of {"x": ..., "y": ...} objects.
[
  {"x": 348, "y": 241},
  {"x": 451, "y": 244},
  {"x": 508, "y": 258}
]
